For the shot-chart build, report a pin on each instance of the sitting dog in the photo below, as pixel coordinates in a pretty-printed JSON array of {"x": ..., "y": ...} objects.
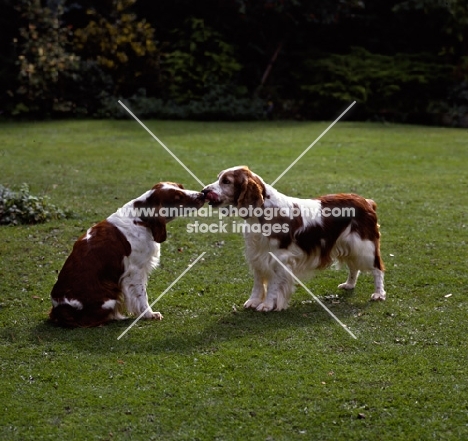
[
  {"x": 110, "y": 264},
  {"x": 304, "y": 234}
]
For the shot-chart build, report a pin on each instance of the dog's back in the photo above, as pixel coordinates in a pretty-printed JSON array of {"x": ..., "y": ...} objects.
[{"x": 88, "y": 290}]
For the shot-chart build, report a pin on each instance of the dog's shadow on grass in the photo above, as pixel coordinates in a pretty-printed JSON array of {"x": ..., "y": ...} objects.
[{"x": 200, "y": 334}]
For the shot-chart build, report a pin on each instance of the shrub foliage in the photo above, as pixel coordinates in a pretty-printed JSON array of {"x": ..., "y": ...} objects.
[
  {"x": 199, "y": 60},
  {"x": 122, "y": 47},
  {"x": 46, "y": 62},
  {"x": 21, "y": 207},
  {"x": 382, "y": 84},
  {"x": 227, "y": 59}
]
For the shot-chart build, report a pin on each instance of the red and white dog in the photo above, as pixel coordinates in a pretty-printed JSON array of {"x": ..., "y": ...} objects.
[
  {"x": 304, "y": 234},
  {"x": 110, "y": 264}
]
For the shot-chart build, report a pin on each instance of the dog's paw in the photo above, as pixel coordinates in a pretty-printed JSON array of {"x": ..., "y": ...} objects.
[
  {"x": 346, "y": 286},
  {"x": 378, "y": 296},
  {"x": 252, "y": 303},
  {"x": 281, "y": 307},
  {"x": 157, "y": 316},
  {"x": 265, "y": 307}
]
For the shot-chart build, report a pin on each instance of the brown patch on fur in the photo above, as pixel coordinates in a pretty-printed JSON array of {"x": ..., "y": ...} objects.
[
  {"x": 284, "y": 238},
  {"x": 91, "y": 275},
  {"x": 251, "y": 190},
  {"x": 323, "y": 237}
]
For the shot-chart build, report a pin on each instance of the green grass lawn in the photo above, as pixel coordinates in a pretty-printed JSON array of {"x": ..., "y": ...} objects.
[{"x": 210, "y": 370}]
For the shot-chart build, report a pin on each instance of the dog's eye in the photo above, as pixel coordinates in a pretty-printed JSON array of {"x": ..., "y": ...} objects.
[{"x": 225, "y": 181}]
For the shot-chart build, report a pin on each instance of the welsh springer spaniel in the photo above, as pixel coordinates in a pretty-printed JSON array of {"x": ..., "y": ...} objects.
[
  {"x": 304, "y": 234},
  {"x": 110, "y": 264}
]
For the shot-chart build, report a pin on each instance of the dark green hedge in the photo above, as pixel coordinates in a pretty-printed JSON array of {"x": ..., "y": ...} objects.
[{"x": 235, "y": 60}]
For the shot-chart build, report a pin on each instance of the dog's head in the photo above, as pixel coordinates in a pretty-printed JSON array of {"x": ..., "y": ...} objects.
[
  {"x": 164, "y": 202},
  {"x": 236, "y": 186}
]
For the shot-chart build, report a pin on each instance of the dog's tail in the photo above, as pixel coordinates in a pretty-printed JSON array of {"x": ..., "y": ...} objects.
[{"x": 378, "y": 262}]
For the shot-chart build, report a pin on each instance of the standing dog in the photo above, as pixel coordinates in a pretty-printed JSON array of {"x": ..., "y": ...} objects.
[
  {"x": 304, "y": 234},
  {"x": 110, "y": 264}
]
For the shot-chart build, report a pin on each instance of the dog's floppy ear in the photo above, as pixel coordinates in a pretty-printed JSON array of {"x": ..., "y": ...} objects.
[
  {"x": 251, "y": 193},
  {"x": 156, "y": 223},
  {"x": 158, "y": 229}
]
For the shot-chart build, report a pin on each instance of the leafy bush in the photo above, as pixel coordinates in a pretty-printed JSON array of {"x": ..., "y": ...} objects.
[
  {"x": 381, "y": 84},
  {"x": 122, "y": 46},
  {"x": 21, "y": 207},
  {"x": 453, "y": 111},
  {"x": 217, "y": 104},
  {"x": 46, "y": 65},
  {"x": 199, "y": 58},
  {"x": 93, "y": 87}
]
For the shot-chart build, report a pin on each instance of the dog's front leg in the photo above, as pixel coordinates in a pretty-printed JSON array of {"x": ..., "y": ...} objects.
[
  {"x": 280, "y": 289},
  {"x": 136, "y": 298},
  {"x": 351, "y": 280},
  {"x": 258, "y": 290}
]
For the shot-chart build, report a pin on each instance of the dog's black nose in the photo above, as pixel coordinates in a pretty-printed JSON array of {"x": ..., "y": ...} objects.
[{"x": 205, "y": 192}]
